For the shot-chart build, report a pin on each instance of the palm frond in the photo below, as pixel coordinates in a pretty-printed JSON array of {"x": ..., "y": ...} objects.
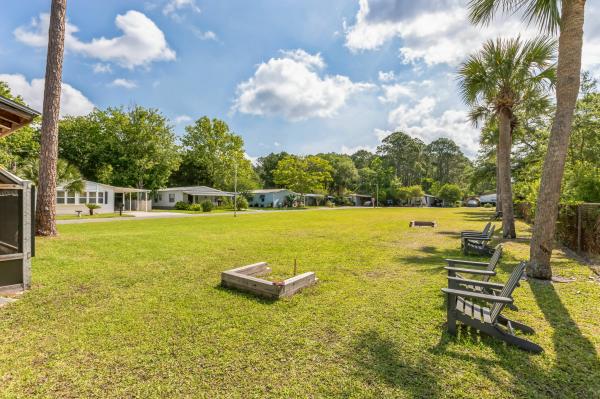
[{"x": 544, "y": 13}]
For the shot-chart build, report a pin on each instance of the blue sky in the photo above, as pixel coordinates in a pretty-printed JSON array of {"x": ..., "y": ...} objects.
[{"x": 301, "y": 76}]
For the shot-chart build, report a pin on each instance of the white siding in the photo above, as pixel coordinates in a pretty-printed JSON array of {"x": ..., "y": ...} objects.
[{"x": 106, "y": 207}]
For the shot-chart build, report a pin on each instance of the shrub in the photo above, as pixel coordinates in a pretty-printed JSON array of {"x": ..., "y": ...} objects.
[
  {"x": 91, "y": 207},
  {"x": 449, "y": 193},
  {"x": 207, "y": 206},
  {"x": 487, "y": 205},
  {"x": 195, "y": 207},
  {"x": 227, "y": 203},
  {"x": 329, "y": 204},
  {"x": 182, "y": 206},
  {"x": 242, "y": 203}
]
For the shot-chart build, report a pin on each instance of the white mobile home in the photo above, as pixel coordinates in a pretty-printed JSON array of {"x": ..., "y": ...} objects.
[
  {"x": 270, "y": 197},
  {"x": 109, "y": 198},
  {"x": 166, "y": 198},
  {"x": 488, "y": 199}
]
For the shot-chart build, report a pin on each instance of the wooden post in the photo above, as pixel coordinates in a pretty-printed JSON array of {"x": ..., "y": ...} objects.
[
  {"x": 579, "y": 228},
  {"x": 295, "y": 266}
]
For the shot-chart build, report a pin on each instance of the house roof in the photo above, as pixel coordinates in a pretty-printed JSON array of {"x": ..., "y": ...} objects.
[
  {"x": 13, "y": 116},
  {"x": 314, "y": 195},
  {"x": 269, "y": 190},
  {"x": 113, "y": 188},
  {"x": 359, "y": 195},
  {"x": 199, "y": 190}
]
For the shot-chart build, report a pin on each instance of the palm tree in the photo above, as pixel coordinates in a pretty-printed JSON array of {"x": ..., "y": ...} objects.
[
  {"x": 46, "y": 199},
  {"x": 495, "y": 81},
  {"x": 570, "y": 43},
  {"x": 67, "y": 175}
]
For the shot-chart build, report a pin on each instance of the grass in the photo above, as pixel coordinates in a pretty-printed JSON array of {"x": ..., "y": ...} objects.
[
  {"x": 94, "y": 216},
  {"x": 134, "y": 309},
  {"x": 215, "y": 210}
]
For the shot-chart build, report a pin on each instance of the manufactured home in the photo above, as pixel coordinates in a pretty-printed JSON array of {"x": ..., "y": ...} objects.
[
  {"x": 271, "y": 198},
  {"x": 109, "y": 198},
  {"x": 166, "y": 198}
]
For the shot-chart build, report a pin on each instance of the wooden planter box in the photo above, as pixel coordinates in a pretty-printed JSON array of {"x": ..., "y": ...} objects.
[
  {"x": 416, "y": 223},
  {"x": 246, "y": 278}
]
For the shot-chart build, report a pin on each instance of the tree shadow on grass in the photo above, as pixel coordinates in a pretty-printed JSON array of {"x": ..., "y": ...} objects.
[
  {"x": 379, "y": 359},
  {"x": 576, "y": 364}
]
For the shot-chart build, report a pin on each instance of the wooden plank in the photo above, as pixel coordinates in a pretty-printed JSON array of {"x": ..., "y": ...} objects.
[
  {"x": 460, "y": 304},
  {"x": 254, "y": 269},
  {"x": 10, "y": 187},
  {"x": 468, "y": 308},
  {"x": 10, "y": 257},
  {"x": 476, "y": 312},
  {"x": 486, "y": 315},
  {"x": 250, "y": 284},
  {"x": 296, "y": 283}
]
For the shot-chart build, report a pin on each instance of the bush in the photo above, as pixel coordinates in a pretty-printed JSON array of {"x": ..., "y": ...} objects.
[
  {"x": 487, "y": 205},
  {"x": 207, "y": 206},
  {"x": 458, "y": 204},
  {"x": 91, "y": 207},
  {"x": 449, "y": 193},
  {"x": 195, "y": 207},
  {"x": 182, "y": 206},
  {"x": 227, "y": 203},
  {"x": 329, "y": 204},
  {"x": 242, "y": 203}
]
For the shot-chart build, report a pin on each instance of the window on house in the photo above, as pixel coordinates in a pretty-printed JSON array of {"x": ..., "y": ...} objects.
[
  {"x": 60, "y": 197},
  {"x": 160, "y": 197},
  {"x": 91, "y": 197},
  {"x": 82, "y": 198},
  {"x": 262, "y": 198},
  {"x": 71, "y": 197},
  {"x": 172, "y": 197},
  {"x": 101, "y": 198}
]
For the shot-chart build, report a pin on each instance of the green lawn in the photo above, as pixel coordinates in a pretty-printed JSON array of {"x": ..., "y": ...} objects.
[
  {"x": 134, "y": 309},
  {"x": 95, "y": 216},
  {"x": 215, "y": 210}
]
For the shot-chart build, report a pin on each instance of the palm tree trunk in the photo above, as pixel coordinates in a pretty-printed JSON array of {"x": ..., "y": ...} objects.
[
  {"x": 498, "y": 188},
  {"x": 46, "y": 199},
  {"x": 504, "y": 144},
  {"x": 570, "y": 44}
]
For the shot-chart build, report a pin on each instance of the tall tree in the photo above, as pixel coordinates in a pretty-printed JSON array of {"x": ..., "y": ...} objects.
[
  {"x": 265, "y": 166},
  {"x": 303, "y": 174},
  {"x": 497, "y": 80},
  {"x": 569, "y": 20},
  {"x": 405, "y": 154},
  {"x": 211, "y": 155},
  {"x": 344, "y": 173},
  {"x": 448, "y": 163},
  {"x": 46, "y": 202},
  {"x": 362, "y": 158}
]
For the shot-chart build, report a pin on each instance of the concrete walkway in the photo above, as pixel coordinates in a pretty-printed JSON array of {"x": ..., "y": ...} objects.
[{"x": 139, "y": 215}]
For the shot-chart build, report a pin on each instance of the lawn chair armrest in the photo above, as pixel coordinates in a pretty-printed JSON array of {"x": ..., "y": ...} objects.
[
  {"x": 477, "y": 283},
  {"x": 465, "y": 262},
  {"x": 476, "y": 295},
  {"x": 471, "y": 239},
  {"x": 469, "y": 271}
]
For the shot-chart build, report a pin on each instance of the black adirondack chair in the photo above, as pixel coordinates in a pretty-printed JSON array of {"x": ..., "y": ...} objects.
[
  {"x": 478, "y": 244},
  {"x": 460, "y": 267},
  {"x": 477, "y": 232},
  {"x": 489, "y": 320}
]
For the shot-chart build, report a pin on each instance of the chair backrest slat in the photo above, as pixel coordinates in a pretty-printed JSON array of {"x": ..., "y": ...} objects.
[
  {"x": 491, "y": 231},
  {"x": 486, "y": 228},
  {"x": 495, "y": 257},
  {"x": 508, "y": 289}
]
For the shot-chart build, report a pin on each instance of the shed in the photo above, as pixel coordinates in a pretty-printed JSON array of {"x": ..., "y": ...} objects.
[{"x": 17, "y": 209}]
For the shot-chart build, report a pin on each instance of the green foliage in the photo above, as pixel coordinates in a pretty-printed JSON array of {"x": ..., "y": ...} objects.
[
  {"x": 207, "y": 206},
  {"x": 303, "y": 174},
  {"x": 210, "y": 156},
  {"x": 405, "y": 155},
  {"x": 131, "y": 148},
  {"x": 344, "y": 172},
  {"x": 265, "y": 166},
  {"x": 242, "y": 203},
  {"x": 362, "y": 158},
  {"x": 447, "y": 163},
  {"x": 91, "y": 208},
  {"x": 67, "y": 175},
  {"x": 195, "y": 207},
  {"x": 182, "y": 206},
  {"x": 488, "y": 205},
  {"x": 449, "y": 193}
]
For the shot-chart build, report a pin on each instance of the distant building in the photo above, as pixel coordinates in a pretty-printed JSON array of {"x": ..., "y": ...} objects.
[
  {"x": 166, "y": 198},
  {"x": 359, "y": 199},
  {"x": 270, "y": 197},
  {"x": 488, "y": 199}
]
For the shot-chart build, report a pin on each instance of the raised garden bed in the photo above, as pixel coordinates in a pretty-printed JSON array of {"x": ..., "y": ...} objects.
[
  {"x": 417, "y": 223},
  {"x": 247, "y": 278}
]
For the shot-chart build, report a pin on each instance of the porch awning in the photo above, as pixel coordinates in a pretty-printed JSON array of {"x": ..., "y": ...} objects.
[{"x": 13, "y": 116}]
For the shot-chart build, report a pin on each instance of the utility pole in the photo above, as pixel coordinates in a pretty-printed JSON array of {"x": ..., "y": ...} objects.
[
  {"x": 377, "y": 195},
  {"x": 235, "y": 189}
]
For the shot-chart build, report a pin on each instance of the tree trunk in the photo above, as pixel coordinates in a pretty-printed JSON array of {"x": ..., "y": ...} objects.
[
  {"x": 504, "y": 144},
  {"x": 498, "y": 188},
  {"x": 567, "y": 88},
  {"x": 46, "y": 199}
]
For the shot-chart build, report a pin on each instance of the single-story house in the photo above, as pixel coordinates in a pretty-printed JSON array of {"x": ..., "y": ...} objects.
[
  {"x": 166, "y": 198},
  {"x": 314, "y": 199},
  {"x": 426, "y": 200},
  {"x": 270, "y": 197},
  {"x": 109, "y": 198},
  {"x": 488, "y": 199},
  {"x": 359, "y": 199}
]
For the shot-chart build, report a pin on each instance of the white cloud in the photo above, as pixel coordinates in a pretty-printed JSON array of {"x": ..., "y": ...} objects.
[
  {"x": 392, "y": 93},
  {"x": 142, "y": 41},
  {"x": 205, "y": 35},
  {"x": 292, "y": 87},
  {"x": 182, "y": 119},
  {"x": 276, "y": 144},
  {"x": 386, "y": 77},
  {"x": 102, "y": 68},
  {"x": 72, "y": 101},
  {"x": 434, "y": 32},
  {"x": 252, "y": 160},
  {"x": 125, "y": 83},
  {"x": 351, "y": 150},
  {"x": 175, "y": 5}
]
